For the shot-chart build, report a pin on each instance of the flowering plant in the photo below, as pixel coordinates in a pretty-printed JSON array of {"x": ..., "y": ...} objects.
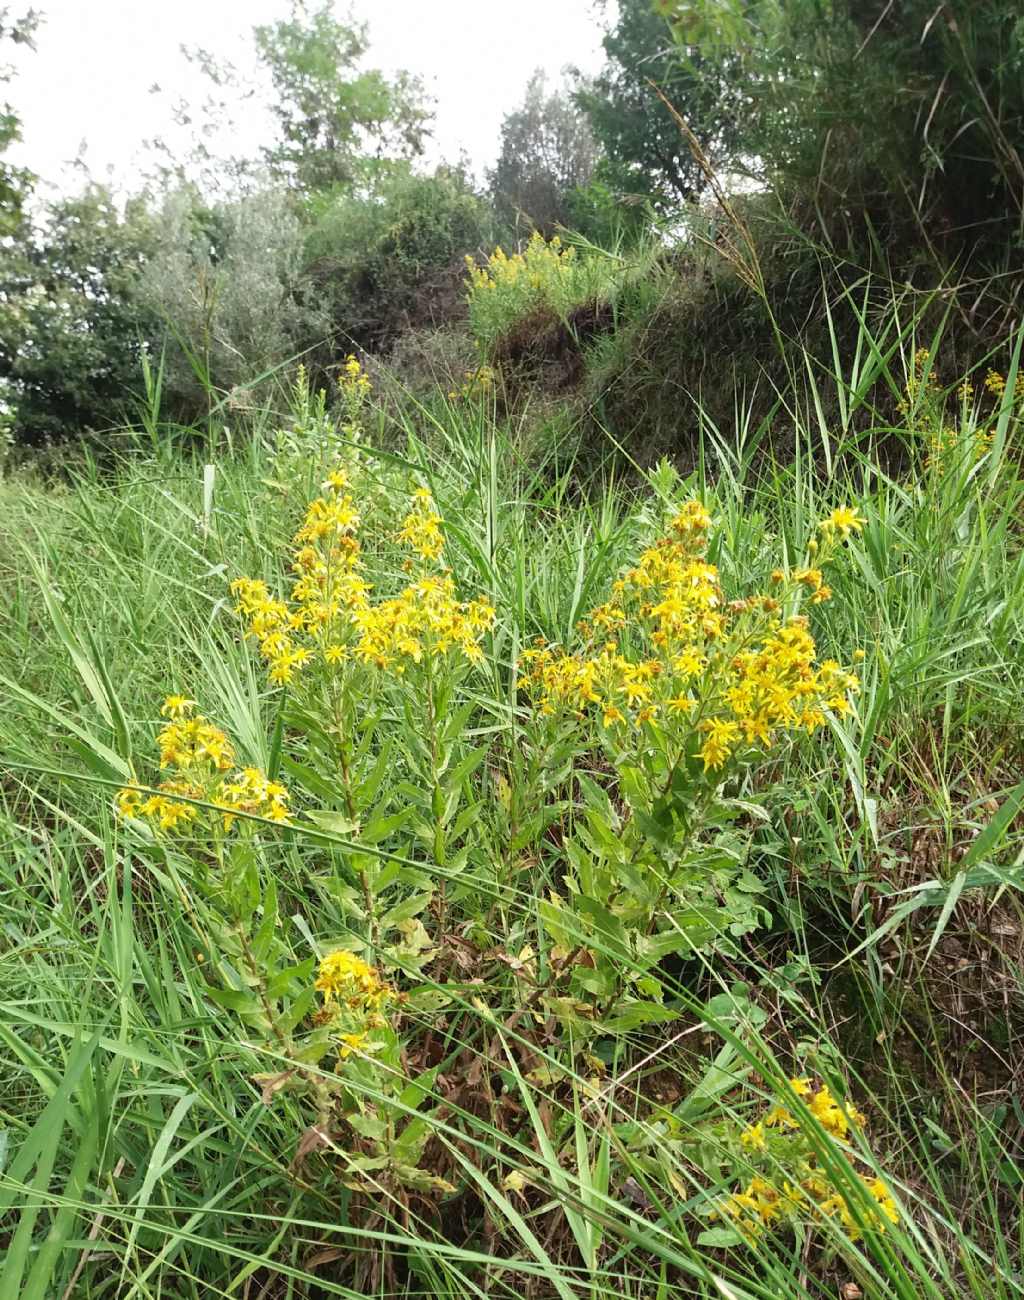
[
  {"x": 790, "y": 1183},
  {"x": 681, "y": 689},
  {"x": 201, "y": 758}
]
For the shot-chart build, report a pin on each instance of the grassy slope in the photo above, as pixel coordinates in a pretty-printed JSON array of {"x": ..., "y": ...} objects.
[{"x": 139, "y": 1160}]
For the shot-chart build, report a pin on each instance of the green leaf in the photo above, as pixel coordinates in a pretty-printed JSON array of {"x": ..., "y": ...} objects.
[
  {"x": 240, "y": 1000},
  {"x": 634, "y": 1014},
  {"x": 369, "y": 1126},
  {"x": 404, "y": 911},
  {"x": 720, "y": 1237},
  {"x": 337, "y": 823}
]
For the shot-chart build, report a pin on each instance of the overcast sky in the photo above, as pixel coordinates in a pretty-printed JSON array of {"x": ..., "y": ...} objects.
[{"x": 89, "y": 81}]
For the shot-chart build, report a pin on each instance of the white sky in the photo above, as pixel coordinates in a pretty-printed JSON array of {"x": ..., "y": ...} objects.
[{"x": 89, "y": 80}]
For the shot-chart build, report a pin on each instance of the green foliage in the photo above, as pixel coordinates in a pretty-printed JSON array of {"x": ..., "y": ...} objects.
[
  {"x": 369, "y": 1036},
  {"x": 902, "y": 117},
  {"x": 335, "y": 120},
  {"x": 391, "y": 258},
  {"x": 226, "y": 288},
  {"x": 543, "y": 284},
  {"x": 547, "y": 155},
  {"x": 71, "y": 322},
  {"x": 645, "y": 158},
  {"x": 15, "y": 182},
  {"x": 544, "y": 912}
]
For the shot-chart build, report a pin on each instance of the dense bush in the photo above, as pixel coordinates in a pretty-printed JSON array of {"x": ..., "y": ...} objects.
[
  {"x": 72, "y": 321},
  {"x": 903, "y": 119},
  {"x": 546, "y": 283},
  {"x": 227, "y": 285},
  {"x": 391, "y": 258}
]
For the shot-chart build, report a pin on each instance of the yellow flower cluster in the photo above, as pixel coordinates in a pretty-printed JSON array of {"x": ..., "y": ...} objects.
[
  {"x": 326, "y": 592},
  {"x": 943, "y": 444},
  {"x": 354, "y": 1000},
  {"x": 834, "y": 1116},
  {"x": 354, "y": 389},
  {"x": 330, "y": 618},
  {"x": 424, "y": 620},
  {"x": 353, "y": 379},
  {"x": 995, "y": 383},
  {"x": 201, "y": 754},
  {"x": 921, "y": 382},
  {"x": 250, "y": 791},
  {"x": 737, "y": 672},
  {"x": 542, "y": 264},
  {"x": 421, "y": 528},
  {"x": 924, "y": 402},
  {"x": 761, "y": 1205},
  {"x": 346, "y": 981}
]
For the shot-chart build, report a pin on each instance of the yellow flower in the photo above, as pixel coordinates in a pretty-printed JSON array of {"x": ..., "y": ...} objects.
[
  {"x": 176, "y": 707},
  {"x": 810, "y": 578},
  {"x": 421, "y": 528},
  {"x": 753, "y": 1137},
  {"x": 353, "y": 380},
  {"x": 721, "y": 736},
  {"x": 127, "y": 802},
  {"x": 351, "y": 1043},
  {"x": 845, "y": 520},
  {"x": 635, "y": 691},
  {"x": 884, "y": 1199},
  {"x": 345, "y": 979},
  {"x": 250, "y": 791},
  {"x": 200, "y": 754}
]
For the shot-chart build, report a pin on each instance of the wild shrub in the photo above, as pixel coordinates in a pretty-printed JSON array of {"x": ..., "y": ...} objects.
[
  {"x": 388, "y": 259},
  {"x": 228, "y": 289},
  {"x": 544, "y": 284},
  {"x": 387, "y": 749}
]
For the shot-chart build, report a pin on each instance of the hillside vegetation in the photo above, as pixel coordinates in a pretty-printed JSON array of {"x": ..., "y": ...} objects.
[{"x": 521, "y": 794}]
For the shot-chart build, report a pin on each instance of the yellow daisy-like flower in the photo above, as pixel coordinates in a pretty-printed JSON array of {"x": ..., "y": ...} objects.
[
  {"x": 347, "y": 980},
  {"x": 128, "y": 802},
  {"x": 718, "y": 745},
  {"x": 177, "y": 707},
  {"x": 421, "y": 529},
  {"x": 844, "y": 520},
  {"x": 350, "y": 1043}
]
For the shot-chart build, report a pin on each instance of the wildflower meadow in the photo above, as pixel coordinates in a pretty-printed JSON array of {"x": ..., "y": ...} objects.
[
  {"x": 439, "y": 882},
  {"x": 512, "y": 681}
]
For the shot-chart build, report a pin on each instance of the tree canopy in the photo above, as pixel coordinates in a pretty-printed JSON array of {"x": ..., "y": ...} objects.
[
  {"x": 15, "y": 182},
  {"x": 334, "y": 117},
  {"x": 548, "y": 152},
  {"x": 645, "y": 154}
]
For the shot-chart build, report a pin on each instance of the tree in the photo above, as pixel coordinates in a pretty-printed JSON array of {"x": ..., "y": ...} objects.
[
  {"x": 333, "y": 117},
  {"x": 15, "y": 182},
  {"x": 227, "y": 286},
  {"x": 393, "y": 258},
  {"x": 899, "y": 123},
  {"x": 548, "y": 154},
  {"x": 70, "y": 325},
  {"x": 645, "y": 154}
]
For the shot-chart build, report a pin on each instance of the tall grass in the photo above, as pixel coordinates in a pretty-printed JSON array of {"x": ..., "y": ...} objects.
[{"x": 138, "y": 1154}]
